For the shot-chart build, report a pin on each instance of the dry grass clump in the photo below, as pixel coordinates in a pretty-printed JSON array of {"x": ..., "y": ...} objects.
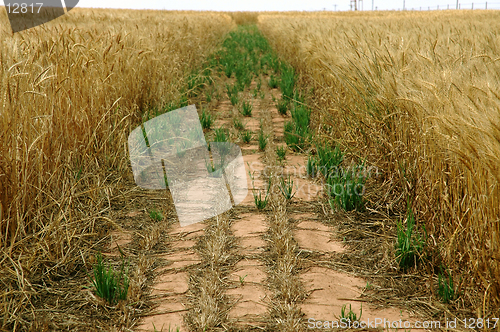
[
  {"x": 283, "y": 261},
  {"x": 207, "y": 285},
  {"x": 71, "y": 92},
  {"x": 417, "y": 95}
]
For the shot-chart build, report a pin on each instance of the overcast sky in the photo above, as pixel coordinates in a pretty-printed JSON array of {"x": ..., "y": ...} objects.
[{"x": 280, "y": 5}]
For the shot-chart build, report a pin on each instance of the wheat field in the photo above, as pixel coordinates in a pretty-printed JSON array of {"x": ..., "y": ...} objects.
[
  {"x": 70, "y": 92},
  {"x": 417, "y": 94}
]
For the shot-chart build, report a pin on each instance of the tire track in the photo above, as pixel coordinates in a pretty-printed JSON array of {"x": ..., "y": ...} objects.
[{"x": 172, "y": 281}]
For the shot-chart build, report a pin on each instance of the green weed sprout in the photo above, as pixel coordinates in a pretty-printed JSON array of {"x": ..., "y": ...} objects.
[
  {"x": 242, "y": 279},
  {"x": 273, "y": 82},
  {"x": 221, "y": 135},
  {"x": 281, "y": 152},
  {"x": 232, "y": 93},
  {"x": 296, "y": 136},
  {"x": 262, "y": 140},
  {"x": 346, "y": 188},
  {"x": 311, "y": 166},
  {"x": 297, "y": 131},
  {"x": 234, "y": 100},
  {"x": 446, "y": 289},
  {"x": 110, "y": 285},
  {"x": 206, "y": 120},
  {"x": 214, "y": 170},
  {"x": 246, "y": 136},
  {"x": 255, "y": 93},
  {"x": 409, "y": 244},
  {"x": 246, "y": 109},
  {"x": 351, "y": 315},
  {"x": 260, "y": 202},
  {"x": 286, "y": 187},
  {"x": 155, "y": 215},
  {"x": 328, "y": 159},
  {"x": 282, "y": 106},
  {"x": 287, "y": 81}
]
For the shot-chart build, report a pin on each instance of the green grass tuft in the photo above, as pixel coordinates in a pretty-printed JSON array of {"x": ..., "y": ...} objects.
[
  {"x": 273, "y": 82},
  {"x": 221, "y": 135},
  {"x": 260, "y": 202},
  {"x": 206, "y": 120},
  {"x": 286, "y": 187},
  {"x": 282, "y": 106},
  {"x": 446, "y": 290},
  {"x": 297, "y": 132},
  {"x": 350, "y": 316},
  {"x": 110, "y": 285},
  {"x": 246, "y": 136},
  {"x": 234, "y": 100},
  {"x": 281, "y": 152},
  {"x": 155, "y": 215},
  {"x": 409, "y": 244},
  {"x": 287, "y": 81},
  {"x": 262, "y": 140},
  {"x": 296, "y": 138},
  {"x": 328, "y": 159},
  {"x": 346, "y": 188},
  {"x": 312, "y": 166},
  {"x": 246, "y": 109},
  {"x": 208, "y": 96}
]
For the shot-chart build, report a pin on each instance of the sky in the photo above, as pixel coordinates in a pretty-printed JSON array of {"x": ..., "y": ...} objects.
[{"x": 282, "y": 5}]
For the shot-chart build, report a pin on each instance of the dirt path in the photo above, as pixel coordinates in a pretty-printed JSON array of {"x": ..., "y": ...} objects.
[
  {"x": 274, "y": 268},
  {"x": 172, "y": 281},
  {"x": 260, "y": 286}
]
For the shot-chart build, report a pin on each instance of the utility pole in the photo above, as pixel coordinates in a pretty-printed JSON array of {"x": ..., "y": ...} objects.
[
  {"x": 335, "y": 5},
  {"x": 457, "y": 4},
  {"x": 403, "y": 4}
]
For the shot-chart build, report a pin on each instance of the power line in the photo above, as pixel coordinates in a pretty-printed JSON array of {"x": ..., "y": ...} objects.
[{"x": 357, "y": 5}]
